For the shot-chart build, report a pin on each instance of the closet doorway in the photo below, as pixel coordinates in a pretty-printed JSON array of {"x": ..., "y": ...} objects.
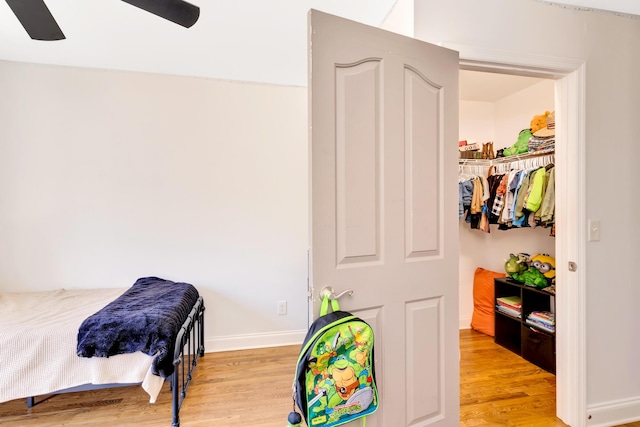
[
  {"x": 497, "y": 107},
  {"x": 568, "y": 81}
]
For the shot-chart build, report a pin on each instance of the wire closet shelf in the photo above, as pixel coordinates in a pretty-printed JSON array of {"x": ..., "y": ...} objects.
[{"x": 500, "y": 165}]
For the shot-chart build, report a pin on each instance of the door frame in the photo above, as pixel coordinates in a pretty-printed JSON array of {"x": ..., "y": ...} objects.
[{"x": 570, "y": 84}]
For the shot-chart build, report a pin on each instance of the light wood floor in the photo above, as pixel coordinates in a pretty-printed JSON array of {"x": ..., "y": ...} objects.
[
  {"x": 253, "y": 389},
  {"x": 499, "y": 388}
]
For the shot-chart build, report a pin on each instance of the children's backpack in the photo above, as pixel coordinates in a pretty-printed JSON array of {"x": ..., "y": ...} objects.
[{"x": 335, "y": 379}]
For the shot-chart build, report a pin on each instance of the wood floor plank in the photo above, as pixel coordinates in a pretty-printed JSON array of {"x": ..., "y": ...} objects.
[
  {"x": 499, "y": 388},
  {"x": 252, "y": 388}
]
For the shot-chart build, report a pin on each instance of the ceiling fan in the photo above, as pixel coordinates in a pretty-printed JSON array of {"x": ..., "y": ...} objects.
[{"x": 37, "y": 20}]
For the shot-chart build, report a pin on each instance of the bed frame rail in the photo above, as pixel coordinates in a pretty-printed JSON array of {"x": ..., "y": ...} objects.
[{"x": 189, "y": 348}]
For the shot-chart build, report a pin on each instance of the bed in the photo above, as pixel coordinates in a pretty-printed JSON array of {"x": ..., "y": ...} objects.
[{"x": 68, "y": 340}]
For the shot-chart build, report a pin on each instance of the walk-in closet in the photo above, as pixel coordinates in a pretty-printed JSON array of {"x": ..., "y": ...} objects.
[{"x": 496, "y": 108}]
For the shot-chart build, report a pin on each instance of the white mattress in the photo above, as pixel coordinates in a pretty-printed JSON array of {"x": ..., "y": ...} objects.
[{"x": 38, "y": 336}]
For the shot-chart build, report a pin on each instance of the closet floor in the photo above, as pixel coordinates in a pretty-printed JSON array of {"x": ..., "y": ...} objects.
[{"x": 499, "y": 388}]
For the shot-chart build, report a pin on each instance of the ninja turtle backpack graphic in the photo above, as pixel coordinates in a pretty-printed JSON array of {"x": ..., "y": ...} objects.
[{"x": 335, "y": 379}]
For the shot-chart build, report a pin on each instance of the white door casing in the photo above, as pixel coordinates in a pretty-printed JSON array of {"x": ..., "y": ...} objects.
[{"x": 383, "y": 125}]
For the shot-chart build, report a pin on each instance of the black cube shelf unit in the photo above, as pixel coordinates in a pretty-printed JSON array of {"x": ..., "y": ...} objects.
[{"x": 533, "y": 344}]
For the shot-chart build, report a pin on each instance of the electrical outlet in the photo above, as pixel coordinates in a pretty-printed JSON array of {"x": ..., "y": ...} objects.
[{"x": 282, "y": 307}]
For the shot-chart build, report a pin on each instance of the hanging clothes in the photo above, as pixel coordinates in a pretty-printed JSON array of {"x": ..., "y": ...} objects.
[{"x": 519, "y": 194}]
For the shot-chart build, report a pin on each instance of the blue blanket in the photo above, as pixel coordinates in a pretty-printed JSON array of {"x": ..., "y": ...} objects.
[{"x": 147, "y": 318}]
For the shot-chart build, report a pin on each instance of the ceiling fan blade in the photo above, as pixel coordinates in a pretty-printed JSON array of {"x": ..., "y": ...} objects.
[
  {"x": 36, "y": 19},
  {"x": 178, "y": 11}
]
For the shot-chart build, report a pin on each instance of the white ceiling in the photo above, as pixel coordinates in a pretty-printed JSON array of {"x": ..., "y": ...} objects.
[
  {"x": 247, "y": 40},
  {"x": 491, "y": 87}
]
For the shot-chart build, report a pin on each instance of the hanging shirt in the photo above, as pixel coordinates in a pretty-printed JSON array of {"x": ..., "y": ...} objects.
[
  {"x": 485, "y": 188},
  {"x": 465, "y": 190},
  {"x": 521, "y": 194},
  {"x": 519, "y": 216},
  {"x": 506, "y": 216},
  {"x": 545, "y": 184},
  {"x": 534, "y": 198},
  {"x": 549, "y": 201},
  {"x": 498, "y": 202},
  {"x": 476, "y": 200},
  {"x": 521, "y": 176}
]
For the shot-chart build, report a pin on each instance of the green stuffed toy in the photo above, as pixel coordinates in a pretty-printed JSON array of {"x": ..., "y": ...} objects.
[
  {"x": 521, "y": 145},
  {"x": 532, "y": 276},
  {"x": 516, "y": 264}
]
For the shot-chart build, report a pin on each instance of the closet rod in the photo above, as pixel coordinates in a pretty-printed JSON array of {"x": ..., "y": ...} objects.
[
  {"x": 508, "y": 159},
  {"x": 524, "y": 156},
  {"x": 478, "y": 162}
]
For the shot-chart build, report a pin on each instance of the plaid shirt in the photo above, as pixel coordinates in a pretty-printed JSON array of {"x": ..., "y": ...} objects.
[
  {"x": 498, "y": 202},
  {"x": 498, "y": 205}
]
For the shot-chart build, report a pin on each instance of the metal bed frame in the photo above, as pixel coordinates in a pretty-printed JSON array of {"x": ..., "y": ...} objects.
[{"x": 188, "y": 349}]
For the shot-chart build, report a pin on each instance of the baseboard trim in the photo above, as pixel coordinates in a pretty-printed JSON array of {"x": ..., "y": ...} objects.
[
  {"x": 251, "y": 341},
  {"x": 464, "y": 323},
  {"x": 613, "y": 413}
]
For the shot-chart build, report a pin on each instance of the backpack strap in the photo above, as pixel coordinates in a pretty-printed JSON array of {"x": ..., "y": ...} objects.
[{"x": 324, "y": 308}]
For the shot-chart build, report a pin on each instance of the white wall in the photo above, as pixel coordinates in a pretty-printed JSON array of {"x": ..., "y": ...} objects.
[
  {"x": 400, "y": 18},
  {"x": 516, "y": 111},
  {"x": 109, "y": 176},
  {"x": 501, "y": 122},
  {"x": 477, "y": 121},
  {"x": 608, "y": 45}
]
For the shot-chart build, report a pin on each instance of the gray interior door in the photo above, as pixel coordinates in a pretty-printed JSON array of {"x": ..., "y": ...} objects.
[{"x": 383, "y": 147}]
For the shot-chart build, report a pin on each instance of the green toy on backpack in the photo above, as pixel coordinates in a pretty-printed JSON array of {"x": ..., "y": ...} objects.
[{"x": 335, "y": 379}]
